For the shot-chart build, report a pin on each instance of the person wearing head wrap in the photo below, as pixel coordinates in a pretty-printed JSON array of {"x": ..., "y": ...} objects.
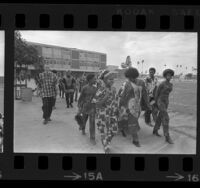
[
  {"x": 99, "y": 80},
  {"x": 162, "y": 101},
  {"x": 151, "y": 85},
  {"x": 131, "y": 95},
  {"x": 106, "y": 109}
]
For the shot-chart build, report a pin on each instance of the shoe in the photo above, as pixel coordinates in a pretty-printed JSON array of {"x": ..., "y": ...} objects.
[
  {"x": 136, "y": 143},
  {"x": 45, "y": 122},
  {"x": 93, "y": 141},
  {"x": 71, "y": 105},
  {"x": 169, "y": 140},
  {"x": 123, "y": 133},
  {"x": 83, "y": 132},
  {"x": 67, "y": 106},
  {"x": 155, "y": 132},
  {"x": 49, "y": 119},
  {"x": 149, "y": 124}
]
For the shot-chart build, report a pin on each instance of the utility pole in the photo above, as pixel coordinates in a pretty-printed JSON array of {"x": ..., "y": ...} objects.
[{"x": 142, "y": 66}]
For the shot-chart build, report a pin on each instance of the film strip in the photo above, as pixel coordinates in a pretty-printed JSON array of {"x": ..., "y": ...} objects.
[{"x": 30, "y": 165}]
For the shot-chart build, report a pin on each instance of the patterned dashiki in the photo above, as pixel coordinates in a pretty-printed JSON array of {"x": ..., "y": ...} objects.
[
  {"x": 130, "y": 106},
  {"x": 151, "y": 84}
]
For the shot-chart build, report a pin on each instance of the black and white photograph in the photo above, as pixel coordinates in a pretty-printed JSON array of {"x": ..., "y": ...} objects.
[
  {"x": 2, "y": 53},
  {"x": 104, "y": 92}
]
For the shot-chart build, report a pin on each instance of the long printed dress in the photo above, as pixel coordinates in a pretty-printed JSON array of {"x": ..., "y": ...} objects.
[
  {"x": 106, "y": 115},
  {"x": 130, "y": 108},
  {"x": 151, "y": 86}
]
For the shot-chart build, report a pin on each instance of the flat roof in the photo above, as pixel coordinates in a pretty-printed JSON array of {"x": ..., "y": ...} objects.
[{"x": 62, "y": 47}]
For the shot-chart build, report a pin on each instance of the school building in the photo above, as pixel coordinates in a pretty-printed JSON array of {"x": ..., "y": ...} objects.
[{"x": 76, "y": 60}]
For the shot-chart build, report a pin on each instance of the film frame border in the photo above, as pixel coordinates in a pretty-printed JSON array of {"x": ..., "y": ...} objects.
[{"x": 110, "y": 18}]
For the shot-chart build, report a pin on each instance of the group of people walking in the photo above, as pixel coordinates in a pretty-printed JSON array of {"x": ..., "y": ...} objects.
[
  {"x": 110, "y": 110},
  {"x": 50, "y": 85},
  {"x": 69, "y": 87},
  {"x": 116, "y": 111}
]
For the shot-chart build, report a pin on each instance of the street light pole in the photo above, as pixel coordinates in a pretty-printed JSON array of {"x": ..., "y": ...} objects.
[
  {"x": 142, "y": 66},
  {"x": 181, "y": 69}
]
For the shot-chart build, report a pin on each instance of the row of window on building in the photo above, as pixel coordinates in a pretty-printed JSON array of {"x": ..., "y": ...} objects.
[
  {"x": 48, "y": 52},
  {"x": 69, "y": 63}
]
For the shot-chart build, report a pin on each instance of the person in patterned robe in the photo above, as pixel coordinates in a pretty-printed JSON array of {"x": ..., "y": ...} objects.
[
  {"x": 106, "y": 109},
  {"x": 132, "y": 100},
  {"x": 162, "y": 101},
  {"x": 151, "y": 85}
]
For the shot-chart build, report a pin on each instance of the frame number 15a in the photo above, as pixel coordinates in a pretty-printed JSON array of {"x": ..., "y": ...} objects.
[{"x": 92, "y": 176}]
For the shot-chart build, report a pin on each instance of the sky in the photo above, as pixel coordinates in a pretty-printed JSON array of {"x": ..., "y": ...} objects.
[
  {"x": 155, "y": 48},
  {"x": 2, "y": 53}
]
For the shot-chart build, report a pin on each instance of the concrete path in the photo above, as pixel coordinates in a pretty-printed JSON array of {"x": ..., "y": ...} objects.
[{"x": 62, "y": 134}]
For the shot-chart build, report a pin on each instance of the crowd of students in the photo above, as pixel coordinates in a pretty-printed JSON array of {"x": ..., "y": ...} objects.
[
  {"x": 50, "y": 84},
  {"x": 119, "y": 111},
  {"x": 110, "y": 110}
]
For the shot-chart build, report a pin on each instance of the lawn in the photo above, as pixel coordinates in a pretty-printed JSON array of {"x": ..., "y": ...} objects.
[{"x": 183, "y": 98}]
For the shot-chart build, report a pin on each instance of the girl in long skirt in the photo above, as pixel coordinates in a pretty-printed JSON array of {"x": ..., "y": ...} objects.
[
  {"x": 131, "y": 96},
  {"x": 106, "y": 109}
]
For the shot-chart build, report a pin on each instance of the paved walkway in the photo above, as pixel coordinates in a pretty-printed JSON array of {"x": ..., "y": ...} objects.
[{"x": 62, "y": 134}]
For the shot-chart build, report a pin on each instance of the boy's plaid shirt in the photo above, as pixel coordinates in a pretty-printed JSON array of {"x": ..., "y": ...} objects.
[{"x": 47, "y": 84}]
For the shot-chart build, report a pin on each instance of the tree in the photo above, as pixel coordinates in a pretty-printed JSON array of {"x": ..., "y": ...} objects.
[
  {"x": 142, "y": 65},
  {"x": 25, "y": 55}
]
